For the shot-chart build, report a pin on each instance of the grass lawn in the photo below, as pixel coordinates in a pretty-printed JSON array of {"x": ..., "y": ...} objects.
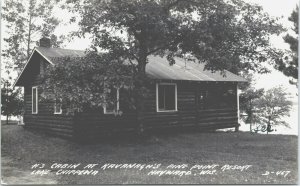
[
  {"x": 22, "y": 148},
  {"x": 10, "y": 122}
]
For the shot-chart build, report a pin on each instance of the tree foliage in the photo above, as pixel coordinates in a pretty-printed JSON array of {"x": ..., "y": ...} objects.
[
  {"x": 262, "y": 107},
  {"x": 12, "y": 103},
  {"x": 26, "y": 22},
  {"x": 231, "y": 35},
  {"x": 248, "y": 104},
  {"x": 289, "y": 64},
  {"x": 90, "y": 80},
  {"x": 273, "y": 106},
  {"x": 248, "y": 99}
]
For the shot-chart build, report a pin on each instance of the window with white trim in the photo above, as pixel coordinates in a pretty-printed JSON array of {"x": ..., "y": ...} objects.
[
  {"x": 166, "y": 97},
  {"x": 113, "y": 104},
  {"x": 57, "y": 106},
  {"x": 34, "y": 100}
]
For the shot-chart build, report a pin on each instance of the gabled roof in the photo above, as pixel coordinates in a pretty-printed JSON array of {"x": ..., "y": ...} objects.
[
  {"x": 157, "y": 68},
  {"x": 59, "y": 52}
]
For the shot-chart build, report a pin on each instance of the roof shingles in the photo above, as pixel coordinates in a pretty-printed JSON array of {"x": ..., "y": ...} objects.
[{"x": 157, "y": 68}]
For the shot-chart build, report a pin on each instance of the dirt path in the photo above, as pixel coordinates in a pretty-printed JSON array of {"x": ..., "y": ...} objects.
[{"x": 12, "y": 175}]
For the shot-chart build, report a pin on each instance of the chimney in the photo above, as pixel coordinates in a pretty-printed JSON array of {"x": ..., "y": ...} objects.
[{"x": 45, "y": 42}]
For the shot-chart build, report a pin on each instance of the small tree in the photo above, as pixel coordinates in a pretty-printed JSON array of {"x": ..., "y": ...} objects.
[
  {"x": 248, "y": 104},
  {"x": 248, "y": 100},
  {"x": 273, "y": 106},
  {"x": 12, "y": 103}
]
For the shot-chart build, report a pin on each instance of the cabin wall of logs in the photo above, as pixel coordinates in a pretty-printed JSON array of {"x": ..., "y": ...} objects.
[
  {"x": 206, "y": 112},
  {"x": 201, "y": 105},
  {"x": 44, "y": 120}
]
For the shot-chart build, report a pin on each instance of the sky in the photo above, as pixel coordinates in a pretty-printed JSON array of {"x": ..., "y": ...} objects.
[{"x": 277, "y": 8}]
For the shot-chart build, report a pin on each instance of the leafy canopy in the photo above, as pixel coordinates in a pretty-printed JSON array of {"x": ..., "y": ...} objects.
[
  {"x": 289, "y": 64},
  {"x": 273, "y": 106},
  {"x": 90, "y": 81},
  {"x": 12, "y": 103},
  {"x": 26, "y": 22},
  {"x": 231, "y": 35},
  {"x": 248, "y": 99},
  {"x": 264, "y": 107}
]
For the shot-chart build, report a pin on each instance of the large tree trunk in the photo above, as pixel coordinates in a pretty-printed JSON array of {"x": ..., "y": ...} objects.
[
  {"x": 140, "y": 80},
  {"x": 140, "y": 113},
  {"x": 140, "y": 83}
]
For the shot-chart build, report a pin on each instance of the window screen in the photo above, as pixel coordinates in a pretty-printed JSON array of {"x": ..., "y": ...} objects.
[{"x": 166, "y": 97}]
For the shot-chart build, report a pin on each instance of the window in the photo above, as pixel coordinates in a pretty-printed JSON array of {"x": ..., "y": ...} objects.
[
  {"x": 57, "y": 107},
  {"x": 166, "y": 97},
  {"x": 34, "y": 100},
  {"x": 113, "y": 104}
]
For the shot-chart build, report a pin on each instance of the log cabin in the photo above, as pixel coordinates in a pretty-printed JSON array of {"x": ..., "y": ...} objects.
[{"x": 183, "y": 95}]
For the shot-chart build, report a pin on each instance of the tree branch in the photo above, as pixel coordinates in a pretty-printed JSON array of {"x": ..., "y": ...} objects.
[
  {"x": 161, "y": 47},
  {"x": 167, "y": 8}
]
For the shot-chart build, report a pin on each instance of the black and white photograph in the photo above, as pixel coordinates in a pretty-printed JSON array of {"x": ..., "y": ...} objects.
[{"x": 97, "y": 92}]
